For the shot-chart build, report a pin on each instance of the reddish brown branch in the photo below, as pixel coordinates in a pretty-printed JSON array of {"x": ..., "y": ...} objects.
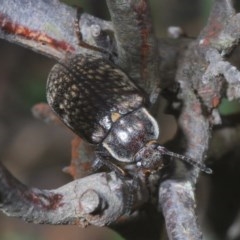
[
  {"x": 82, "y": 159},
  {"x": 43, "y": 112},
  {"x": 82, "y": 153}
]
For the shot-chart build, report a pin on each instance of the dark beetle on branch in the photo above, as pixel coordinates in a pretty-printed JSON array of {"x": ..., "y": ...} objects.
[{"x": 99, "y": 102}]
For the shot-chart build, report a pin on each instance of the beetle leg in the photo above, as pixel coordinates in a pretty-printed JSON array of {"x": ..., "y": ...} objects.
[
  {"x": 96, "y": 165},
  {"x": 130, "y": 200},
  {"x": 108, "y": 162},
  {"x": 81, "y": 42}
]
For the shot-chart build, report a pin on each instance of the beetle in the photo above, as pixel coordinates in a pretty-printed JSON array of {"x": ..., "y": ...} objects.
[{"x": 102, "y": 105}]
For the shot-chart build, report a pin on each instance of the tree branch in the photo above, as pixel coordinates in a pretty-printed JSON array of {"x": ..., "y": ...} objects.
[
  {"x": 98, "y": 199},
  {"x": 48, "y": 27},
  {"x": 136, "y": 43},
  {"x": 200, "y": 100},
  {"x": 178, "y": 205}
]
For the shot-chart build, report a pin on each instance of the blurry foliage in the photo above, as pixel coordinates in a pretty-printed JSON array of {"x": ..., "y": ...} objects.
[
  {"x": 97, "y": 8},
  {"x": 31, "y": 84},
  {"x": 17, "y": 236},
  {"x": 229, "y": 107},
  {"x": 182, "y": 13},
  {"x": 237, "y": 5},
  {"x": 117, "y": 238},
  {"x": 190, "y": 16},
  {"x": 205, "y": 9}
]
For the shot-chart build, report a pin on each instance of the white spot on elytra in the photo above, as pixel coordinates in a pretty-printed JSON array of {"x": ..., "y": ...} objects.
[{"x": 123, "y": 136}]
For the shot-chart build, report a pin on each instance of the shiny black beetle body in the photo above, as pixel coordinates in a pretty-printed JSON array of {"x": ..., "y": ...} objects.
[{"x": 99, "y": 102}]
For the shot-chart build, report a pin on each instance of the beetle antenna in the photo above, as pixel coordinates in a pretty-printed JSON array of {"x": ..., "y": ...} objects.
[{"x": 189, "y": 160}]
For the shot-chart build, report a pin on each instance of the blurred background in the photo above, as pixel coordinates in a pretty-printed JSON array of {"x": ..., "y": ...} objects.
[{"x": 36, "y": 152}]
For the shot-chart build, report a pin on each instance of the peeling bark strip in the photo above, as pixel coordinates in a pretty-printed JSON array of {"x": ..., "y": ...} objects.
[
  {"x": 10, "y": 27},
  {"x": 50, "y": 202},
  {"x": 213, "y": 33}
]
